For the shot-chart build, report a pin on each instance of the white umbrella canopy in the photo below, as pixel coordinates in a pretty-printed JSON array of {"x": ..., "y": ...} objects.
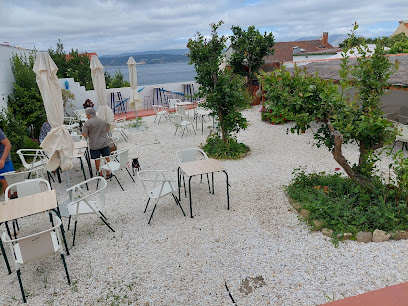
[
  {"x": 58, "y": 143},
  {"x": 134, "y": 102},
  {"x": 98, "y": 81}
]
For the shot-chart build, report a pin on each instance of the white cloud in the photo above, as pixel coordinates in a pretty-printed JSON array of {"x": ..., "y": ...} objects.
[{"x": 110, "y": 27}]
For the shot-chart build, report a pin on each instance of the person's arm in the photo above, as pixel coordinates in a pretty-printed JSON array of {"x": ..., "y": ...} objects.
[
  {"x": 85, "y": 130},
  {"x": 7, "y": 148}
]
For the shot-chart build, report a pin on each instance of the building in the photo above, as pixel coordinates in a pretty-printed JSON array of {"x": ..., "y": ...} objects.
[
  {"x": 290, "y": 50},
  {"x": 69, "y": 56},
  {"x": 402, "y": 28},
  {"x": 6, "y": 72}
]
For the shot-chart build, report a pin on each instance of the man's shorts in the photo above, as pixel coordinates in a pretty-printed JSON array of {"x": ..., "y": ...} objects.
[
  {"x": 8, "y": 166},
  {"x": 105, "y": 151}
]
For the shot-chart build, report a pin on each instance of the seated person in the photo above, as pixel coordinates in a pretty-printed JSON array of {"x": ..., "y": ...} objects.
[{"x": 96, "y": 129}]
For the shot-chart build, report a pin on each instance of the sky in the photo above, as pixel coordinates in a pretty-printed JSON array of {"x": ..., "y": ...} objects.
[{"x": 120, "y": 26}]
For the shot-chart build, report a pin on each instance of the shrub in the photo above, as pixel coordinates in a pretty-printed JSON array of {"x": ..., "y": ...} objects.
[
  {"x": 345, "y": 206},
  {"x": 17, "y": 134},
  {"x": 215, "y": 147}
]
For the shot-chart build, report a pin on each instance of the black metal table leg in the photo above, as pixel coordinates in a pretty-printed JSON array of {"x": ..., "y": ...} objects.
[
  {"x": 5, "y": 257},
  {"x": 212, "y": 177},
  {"x": 83, "y": 171},
  {"x": 62, "y": 231},
  {"x": 189, "y": 193},
  {"x": 228, "y": 202},
  {"x": 178, "y": 182}
]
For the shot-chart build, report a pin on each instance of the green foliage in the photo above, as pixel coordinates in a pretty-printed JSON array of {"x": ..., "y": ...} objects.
[
  {"x": 16, "y": 132},
  {"x": 343, "y": 120},
  {"x": 250, "y": 47},
  {"x": 345, "y": 206},
  {"x": 67, "y": 97},
  {"x": 215, "y": 147},
  {"x": 117, "y": 81},
  {"x": 397, "y": 43},
  {"x": 223, "y": 90},
  {"x": 75, "y": 65},
  {"x": 26, "y": 103}
]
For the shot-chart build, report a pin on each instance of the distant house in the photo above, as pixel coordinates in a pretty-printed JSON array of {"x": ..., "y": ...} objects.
[
  {"x": 402, "y": 28},
  {"x": 290, "y": 50}
]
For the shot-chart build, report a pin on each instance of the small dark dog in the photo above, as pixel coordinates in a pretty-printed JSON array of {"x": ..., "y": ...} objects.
[{"x": 135, "y": 165}]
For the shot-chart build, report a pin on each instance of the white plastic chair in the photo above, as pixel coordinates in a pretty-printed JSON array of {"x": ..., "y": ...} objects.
[
  {"x": 71, "y": 123},
  {"x": 189, "y": 155},
  {"x": 32, "y": 158},
  {"x": 82, "y": 202},
  {"x": 160, "y": 112},
  {"x": 157, "y": 186},
  {"x": 118, "y": 160},
  {"x": 172, "y": 104},
  {"x": 119, "y": 128},
  {"x": 36, "y": 246},
  {"x": 13, "y": 177},
  {"x": 181, "y": 121},
  {"x": 80, "y": 114},
  {"x": 403, "y": 135}
]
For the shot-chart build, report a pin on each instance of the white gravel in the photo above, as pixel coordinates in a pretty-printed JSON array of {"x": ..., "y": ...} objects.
[{"x": 177, "y": 260}]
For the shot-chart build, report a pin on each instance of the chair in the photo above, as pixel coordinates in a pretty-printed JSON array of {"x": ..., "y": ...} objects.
[
  {"x": 36, "y": 246},
  {"x": 17, "y": 177},
  {"x": 82, "y": 202},
  {"x": 181, "y": 121},
  {"x": 160, "y": 112},
  {"x": 119, "y": 128},
  {"x": 32, "y": 158},
  {"x": 189, "y": 155},
  {"x": 80, "y": 114},
  {"x": 172, "y": 104},
  {"x": 117, "y": 161},
  {"x": 403, "y": 134},
  {"x": 157, "y": 186},
  {"x": 71, "y": 123}
]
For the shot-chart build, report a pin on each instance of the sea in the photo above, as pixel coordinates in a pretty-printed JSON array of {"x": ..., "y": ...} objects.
[{"x": 151, "y": 74}]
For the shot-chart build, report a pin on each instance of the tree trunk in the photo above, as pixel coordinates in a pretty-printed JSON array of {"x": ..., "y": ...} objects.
[
  {"x": 223, "y": 131},
  {"x": 357, "y": 177}
]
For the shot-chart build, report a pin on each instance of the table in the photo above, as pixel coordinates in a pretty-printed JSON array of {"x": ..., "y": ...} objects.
[
  {"x": 26, "y": 206},
  {"x": 200, "y": 167},
  {"x": 186, "y": 103}
]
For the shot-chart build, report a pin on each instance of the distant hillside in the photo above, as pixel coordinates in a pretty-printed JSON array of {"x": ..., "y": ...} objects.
[{"x": 146, "y": 58}]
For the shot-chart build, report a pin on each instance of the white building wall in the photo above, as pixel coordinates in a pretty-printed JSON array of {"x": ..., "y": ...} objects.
[{"x": 6, "y": 72}]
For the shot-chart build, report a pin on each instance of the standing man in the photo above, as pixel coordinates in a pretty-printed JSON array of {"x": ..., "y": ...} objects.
[
  {"x": 97, "y": 130},
  {"x": 6, "y": 164}
]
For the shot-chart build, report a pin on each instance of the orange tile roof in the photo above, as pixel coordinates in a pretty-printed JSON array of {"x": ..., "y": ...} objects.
[{"x": 68, "y": 56}]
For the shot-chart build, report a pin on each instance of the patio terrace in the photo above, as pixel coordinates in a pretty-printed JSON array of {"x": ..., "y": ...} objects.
[{"x": 259, "y": 249}]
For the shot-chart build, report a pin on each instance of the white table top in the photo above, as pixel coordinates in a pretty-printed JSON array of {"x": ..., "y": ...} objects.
[
  {"x": 184, "y": 103},
  {"x": 201, "y": 167},
  {"x": 25, "y": 206}
]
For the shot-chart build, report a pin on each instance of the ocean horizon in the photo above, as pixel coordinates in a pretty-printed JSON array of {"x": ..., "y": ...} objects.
[{"x": 150, "y": 74}]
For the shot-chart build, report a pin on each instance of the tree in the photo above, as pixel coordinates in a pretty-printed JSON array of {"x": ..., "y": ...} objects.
[
  {"x": 250, "y": 48},
  {"x": 222, "y": 89},
  {"x": 117, "y": 81},
  {"x": 26, "y": 103},
  {"x": 343, "y": 120}
]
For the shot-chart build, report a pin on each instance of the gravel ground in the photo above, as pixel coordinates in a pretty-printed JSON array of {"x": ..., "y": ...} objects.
[{"x": 258, "y": 249}]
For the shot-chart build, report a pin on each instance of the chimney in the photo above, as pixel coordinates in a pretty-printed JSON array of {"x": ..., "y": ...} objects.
[{"x": 325, "y": 39}]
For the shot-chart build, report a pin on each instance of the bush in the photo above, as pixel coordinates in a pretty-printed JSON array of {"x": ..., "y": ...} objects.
[
  {"x": 17, "y": 134},
  {"x": 346, "y": 207},
  {"x": 215, "y": 147},
  {"x": 275, "y": 116}
]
